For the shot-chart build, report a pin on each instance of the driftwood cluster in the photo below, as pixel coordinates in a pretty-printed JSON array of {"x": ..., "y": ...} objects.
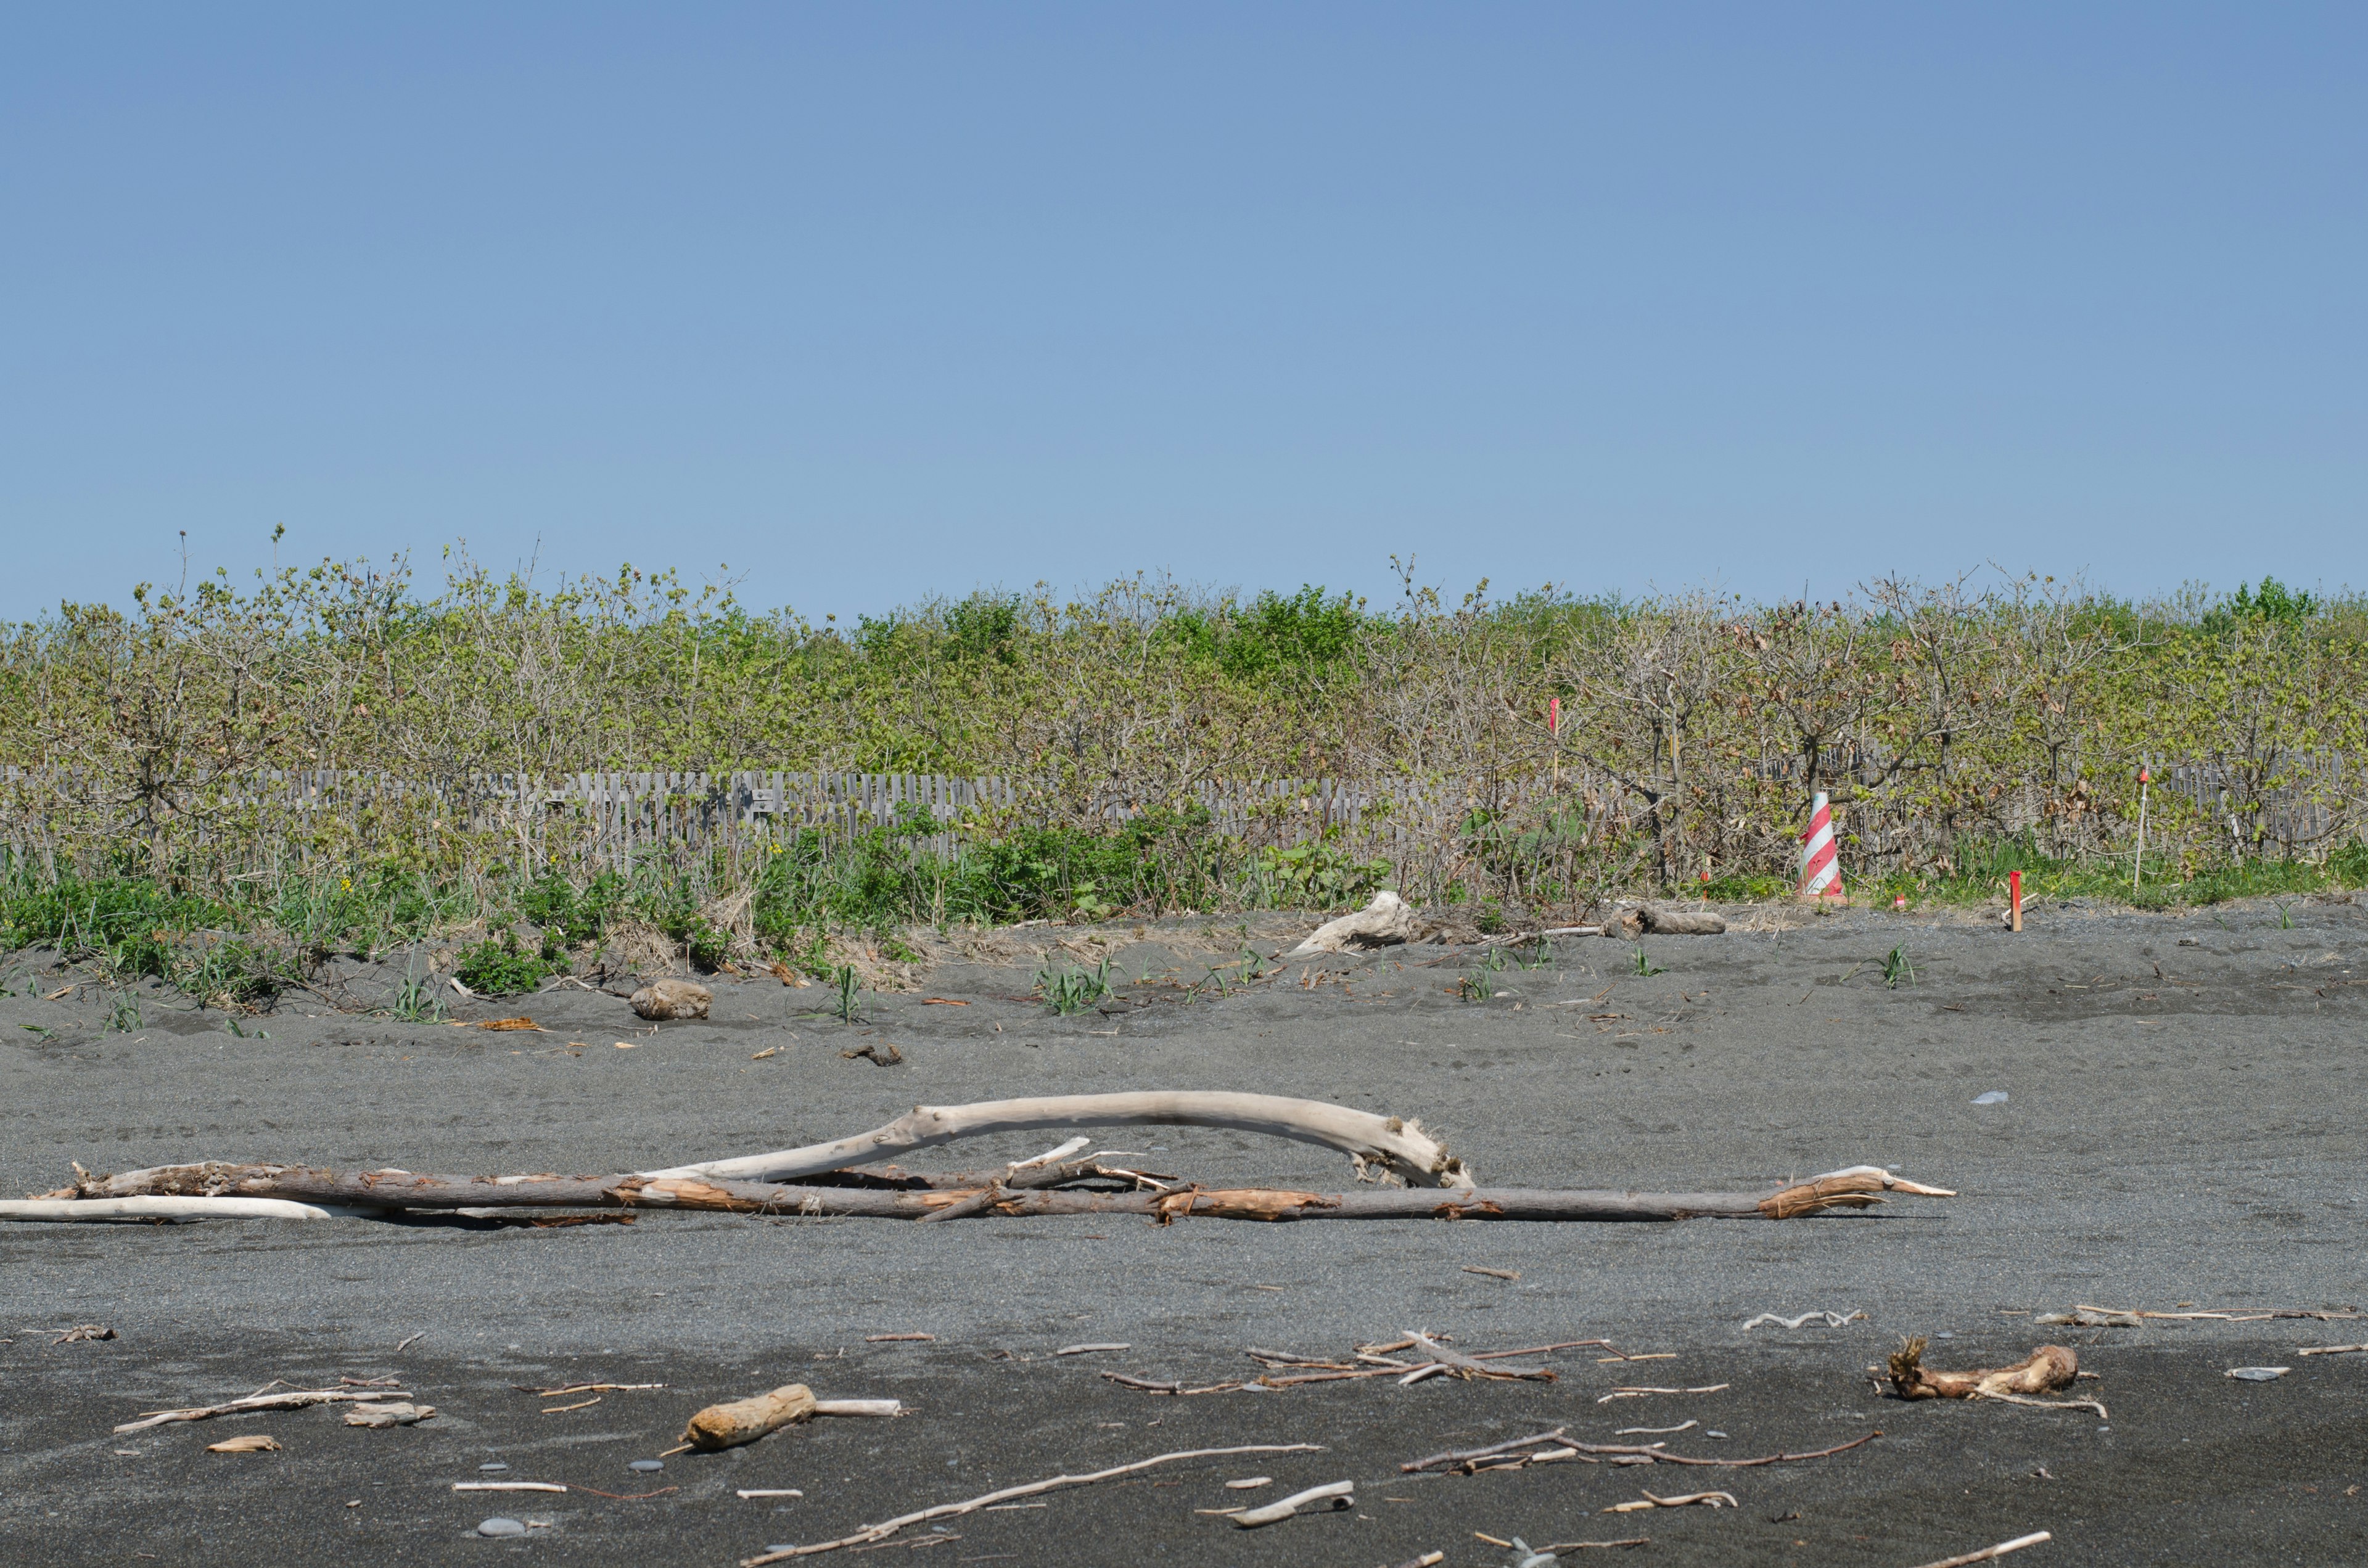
[{"x": 1412, "y": 1176}]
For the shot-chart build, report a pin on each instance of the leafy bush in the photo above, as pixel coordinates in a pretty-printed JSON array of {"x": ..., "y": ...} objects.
[{"x": 499, "y": 967}]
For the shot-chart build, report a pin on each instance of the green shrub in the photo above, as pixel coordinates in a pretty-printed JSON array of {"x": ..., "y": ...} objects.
[{"x": 499, "y": 967}]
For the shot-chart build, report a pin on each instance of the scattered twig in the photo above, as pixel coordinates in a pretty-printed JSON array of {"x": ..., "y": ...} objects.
[
  {"x": 585, "y": 1388},
  {"x": 896, "y": 1339},
  {"x": 2331, "y": 1315},
  {"x": 1454, "y": 1457},
  {"x": 1092, "y": 1347},
  {"x": 747, "y": 1491},
  {"x": 507, "y": 1486},
  {"x": 1705, "y": 1499},
  {"x": 295, "y": 1399},
  {"x": 1640, "y": 1392},
  {"x": 1599, "y": 1545},
  {"x": 563, "y": 1409},
  {"x": 1655, "y": 1431},
  {"x": 1989, "y": 1553},
  {"x": 1493, "y": 1273},
  {"x": 947, "y": 1510},
  {"x": 252, "y": 1443},
  {"x": 1832, "y": 1320},
  {"x": 80, "y": 1331},
  {"x": 1463, "y": 1366},
  {"x": 2330, "y": 1349},
  {"x": 1149, "y": 1385},
  {"x": 407, "y": 1344}
]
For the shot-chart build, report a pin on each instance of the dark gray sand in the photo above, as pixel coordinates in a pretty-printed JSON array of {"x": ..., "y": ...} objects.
[{"x": 2184, "y": 1127}]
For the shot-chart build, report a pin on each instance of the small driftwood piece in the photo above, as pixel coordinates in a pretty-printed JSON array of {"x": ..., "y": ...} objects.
[
  {"x": 882, "y": 1530},
  {"x": 290, "y": 1399},
  {"x": 721, "y": 1427},
  {"x": 252, "y": 1443},
  {"x": 1664, "y": 920},
  {"x": 1690, "y": 1499},
  {"x": 663, "y": 999},
  {"x": 1337, "y": 1495},
  {"x": 2044, "y": 1370},
  {"x": 1992, "y": 1554},
  {"x": 392, "y": 1412},
  {"x": 1386, "y": 922}
]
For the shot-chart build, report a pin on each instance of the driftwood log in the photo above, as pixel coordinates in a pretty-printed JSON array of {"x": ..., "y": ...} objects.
[
  {"x": 2044, "y": 1370},
  {"x": 721, "y": 1427},
  {"x": 388, "y": 1189}
]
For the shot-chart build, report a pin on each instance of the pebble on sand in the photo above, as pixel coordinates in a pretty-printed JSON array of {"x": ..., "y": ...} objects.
[{"x": 499, "y": 1527}]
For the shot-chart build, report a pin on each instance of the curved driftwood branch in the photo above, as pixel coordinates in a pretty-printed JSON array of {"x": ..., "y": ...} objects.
[{"x": 1397, "y": 1144}]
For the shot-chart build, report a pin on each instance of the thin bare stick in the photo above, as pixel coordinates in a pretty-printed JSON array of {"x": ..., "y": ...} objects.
[
  {"x": 295, "y": 1399},
  {"x": 1471, "y": 1366},
  {"x": 2330, "y": 1349},
  {"x": 2042, "y": 1404},
  {"x": 1453, "y": 1457},
  {"x": 1991, "y": 1554},
  {"x": 947, "y": 1510}
]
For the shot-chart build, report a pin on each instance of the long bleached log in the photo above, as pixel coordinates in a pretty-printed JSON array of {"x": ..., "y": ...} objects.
[
  {"x": 84, "y": 1210},
  {"x": 1397, "y": 1144},
  {"x": 404, "y": 1189}
]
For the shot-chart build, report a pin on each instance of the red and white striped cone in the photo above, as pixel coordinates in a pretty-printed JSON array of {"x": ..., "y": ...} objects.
[{"x": 1821, "y": 872}]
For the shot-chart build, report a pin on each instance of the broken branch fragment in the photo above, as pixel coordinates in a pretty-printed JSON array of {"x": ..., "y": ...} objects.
[
  {"x": 1705, "y": 1499},
  {"x": 1338, "y": 1495},
  {"x": 252, "y": 1443},
  {"x": 1386, "y": 922},
  {"x": 1991, "y": 1554},
  {"x": 394, "y": 1412},
  {"x": 721, "y": 1427},
  {"x": 294, "y": 1399},
  {"x": 947, "y": 1510},
  {"x": 2044, "y": 1370}
]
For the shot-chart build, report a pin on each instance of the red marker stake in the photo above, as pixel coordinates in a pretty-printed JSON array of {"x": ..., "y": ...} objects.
[{"x": 2014, "y": 891}]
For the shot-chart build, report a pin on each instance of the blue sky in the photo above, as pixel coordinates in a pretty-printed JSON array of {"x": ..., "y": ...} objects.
[{"x": 875, "y": 301}]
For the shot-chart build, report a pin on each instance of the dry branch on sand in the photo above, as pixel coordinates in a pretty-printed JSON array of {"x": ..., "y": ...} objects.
[
  {"x": 1992, "y": 1554},
  {"x": 290, "y": 1399},
  {"x": 947, "y": 1510},
  {"x": 1519, "y": 1451}
]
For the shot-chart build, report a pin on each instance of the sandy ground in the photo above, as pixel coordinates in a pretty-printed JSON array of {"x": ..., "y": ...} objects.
[{"x": 2184, "y": 1126}]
